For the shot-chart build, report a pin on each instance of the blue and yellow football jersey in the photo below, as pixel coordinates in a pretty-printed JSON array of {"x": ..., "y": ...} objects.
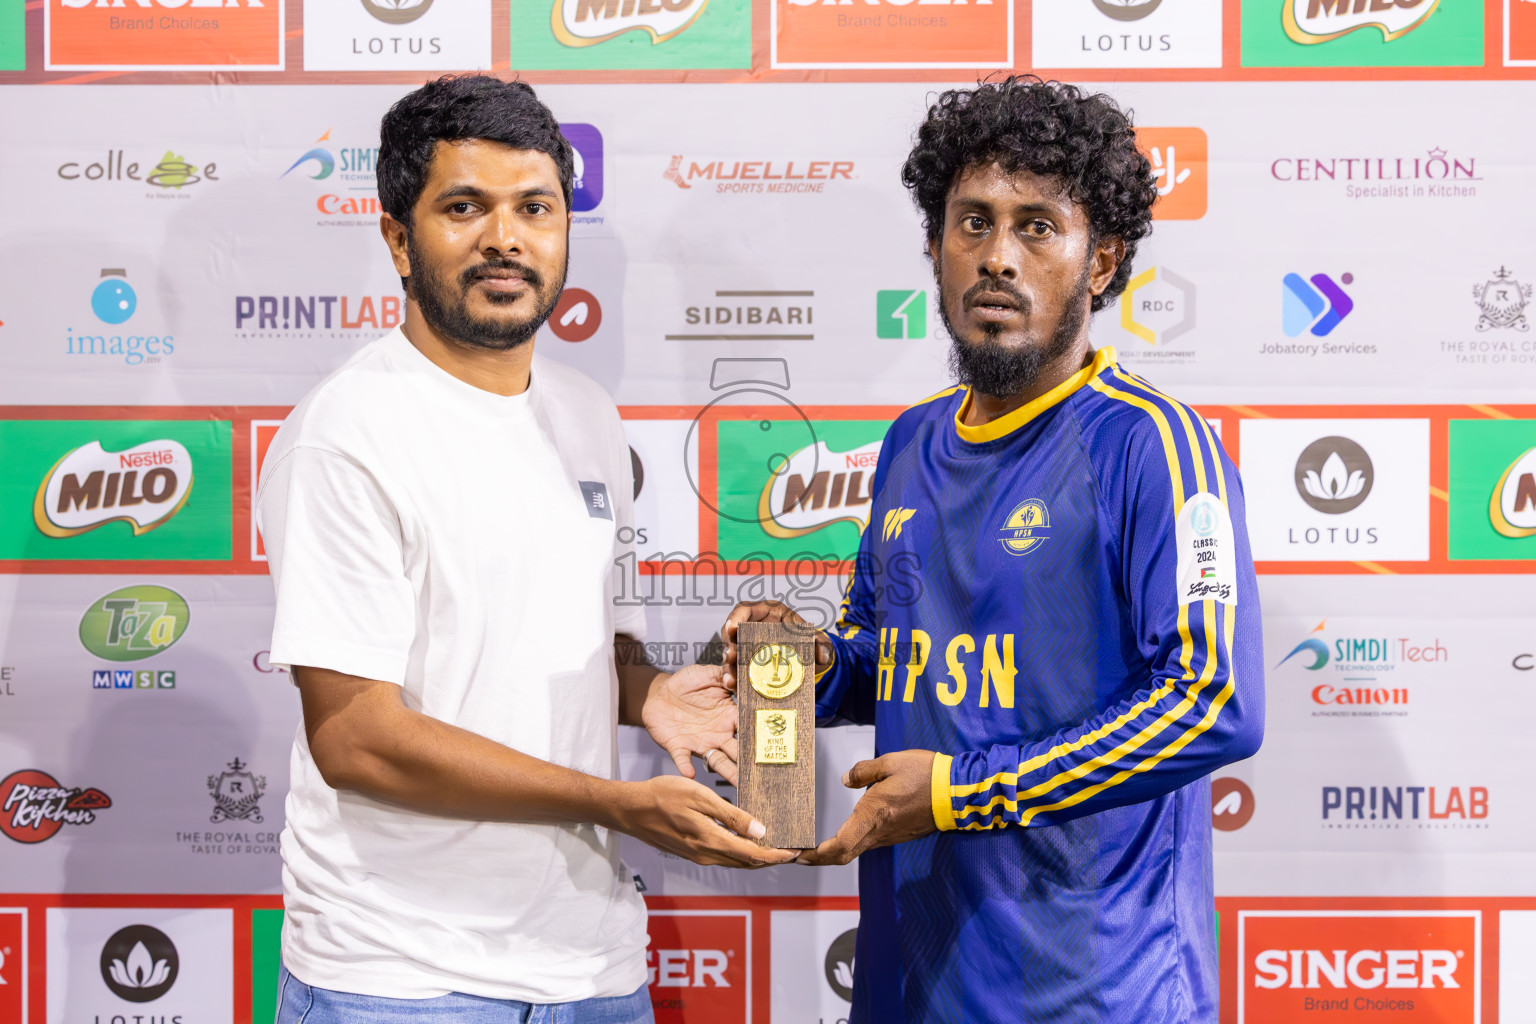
[{"x": 1062, "y": 604}]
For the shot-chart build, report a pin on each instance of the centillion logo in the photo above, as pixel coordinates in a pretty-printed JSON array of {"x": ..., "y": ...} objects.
[
  {"x": 1512, "y": 508},
  {"x": 586, "y": 22}
]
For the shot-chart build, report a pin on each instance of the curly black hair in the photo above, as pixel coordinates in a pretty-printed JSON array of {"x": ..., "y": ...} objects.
[
  {"x": 458, "y": 107},
  {"x": 1083, "y": 140}
]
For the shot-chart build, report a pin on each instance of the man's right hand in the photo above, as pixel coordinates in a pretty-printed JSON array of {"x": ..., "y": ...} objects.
[
  {"x": 686, "y": 818},
  {"x": 768, "y": 611}
]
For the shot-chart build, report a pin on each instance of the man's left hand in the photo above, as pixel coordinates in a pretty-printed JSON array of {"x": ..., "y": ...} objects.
[
  {"x": 691, "y": 712},
  {"x": 896, "y": 806}
]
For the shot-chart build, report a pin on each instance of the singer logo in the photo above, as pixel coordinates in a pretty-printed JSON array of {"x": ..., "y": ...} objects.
[
  {"x": 163, "y": 35},
  {"x": 698, "y": 965},
  {"x": 891, "y": 34},
  {"x": 1407, "y": 966},
  {"x": 144, "y": 486}
]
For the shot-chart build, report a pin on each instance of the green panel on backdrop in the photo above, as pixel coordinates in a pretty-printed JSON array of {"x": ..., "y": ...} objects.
[
  {"x": 748, "y": 452},
  {"x": 1481, "y": 453},
  {"x": 266, "y": 959},
  {"x": 200, "y": 529},
  {"x": 1451, "y": 36},
  {"x": 13, "y": 35},
  {"x": 720, "y": 37}
]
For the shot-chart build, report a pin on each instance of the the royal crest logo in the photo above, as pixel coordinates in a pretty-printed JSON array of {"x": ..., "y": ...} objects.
[
  {"x": 1027, "y": 528},
  {"x": 585, "y": 22},
  {"x": 1512, "y": 508},
  {"x": 33, "y": 806},
  {"x": 143, "y": 486},
  {"x": 1501, "y": 302},
  {"x": 1317, "y": 21},
  {"x": 236, "y": 793}
]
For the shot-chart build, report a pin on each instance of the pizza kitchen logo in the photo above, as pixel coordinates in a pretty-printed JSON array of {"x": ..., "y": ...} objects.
[
  {"x": 587, "y": 22},
  {"x": 34, "y": 806},
  {"x": 143, "y": 486}
]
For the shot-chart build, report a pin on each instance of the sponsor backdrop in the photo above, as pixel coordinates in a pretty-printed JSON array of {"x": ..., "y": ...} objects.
[{"x": 1340, "y": 280}]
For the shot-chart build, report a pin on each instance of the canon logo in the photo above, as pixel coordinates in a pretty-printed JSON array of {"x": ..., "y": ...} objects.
[
  {"x": 686, "y": 968},
  {"x": 1365, "y": 968}
]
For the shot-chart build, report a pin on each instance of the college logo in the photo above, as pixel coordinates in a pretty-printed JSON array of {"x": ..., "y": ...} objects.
[
  {"x": 901, "y": 313},
  {"x": 171, "y": 172},
  {"x": 632, "y": 34},
  {"x": 1317, "y": 307},
  {"x": 163, "y": 35},
  {"x": 134, "y": 623},
  {"x": 33, "y": 806},
  {"x": 1231, "y": 804},
  {"x": 838, "y": 965},
  {"x": 1158, "y": 306},
  {"x": 1310, "y": 22},
  {"x": 1492, "y": 477},
  {"x": 1501, "y": 301},
  {"x": 891, "y": 34},
  {"x": 1180, "y": 167},
  {"x": 89, "y": 487},
  {"x": 1351, "y": 33},
  {"x": 236, "y": 793},
  {"x": 1334, "y": 475},
  {"x": 1127, "y": 34},
  {"x": 1027, "y": 527},
  {"x": 139, "y": 963},
  {"x": 1412, "y": 966},
  {"x": 696, "y": 965}
]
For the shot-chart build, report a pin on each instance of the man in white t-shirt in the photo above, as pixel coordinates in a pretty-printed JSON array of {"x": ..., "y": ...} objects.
[{"x": 441, "y": 518}]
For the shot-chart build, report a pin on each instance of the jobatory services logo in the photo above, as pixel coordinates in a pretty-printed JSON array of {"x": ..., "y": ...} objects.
[
  {"x": 139, "y": 963},
  {"x": 34, "y": 806},
  {"x": 1405, "y": 806},
  {"x": 1361, "y": 33},
  {"x": 14, "y": 965},
  {"x": 696, "y": 964},
  {"x": 1158, "y": 309},
  {"x": 1501, "y": 302},
  {"x": 397, "y": 35},
  {"x": 113, "y": 302},
  {"x": 901, "y": 313},
  {"x": 1232, "y": 804},
  {"x": 891, "y": 34},
  {"x": 1180, "y": 167},
  {"x": 768, "y": 176},
  {"x": 1363, "y": 673},
  {"x": 631, "y": 34},
  {"x": 1412, "y": 966},
  {"x": 170, "y": 177},
  {"x": 1435, "y": 173},
  {"x": 1314, "y": 306},
  {"x": 587, "y": 188},
  {"x": 116, "y": 490},
  {"x": 163, "y": 35},
  {"x": 1492, "y": 477},
  {"x": 1127, "y": 34}
]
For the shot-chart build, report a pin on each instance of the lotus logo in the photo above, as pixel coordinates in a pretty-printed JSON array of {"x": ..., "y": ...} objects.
[
  {"x": 134, "y": 623},
  {"x": 1334, "y": 475},
  {"x": 1127, "y": 10},
  {"x": 1311, "y": 646},
  {"x": 585, "y": 22},
  {"x": 839, "y": 964},
  {"x": 1512, "y": 509},
  {"x": 1317, "y": 21},
  {"x": 139, "y": 963},
  {"x": 143, "y": 486},
  {"x": 397, "y": 12}
]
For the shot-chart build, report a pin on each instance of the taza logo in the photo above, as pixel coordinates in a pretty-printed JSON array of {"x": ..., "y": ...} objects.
[
  {"x": 139, "y": 963},
  {"x": 1501, "y": 302},
  {"x": 33, "y": 806},
  {"x": 1334, "y": 475},
  {"x": 143, "y": 486},
  {"x": 1317, "y": 21},
  {"x": 134, "y": 623},
  {"x": 585, "y": 22}
]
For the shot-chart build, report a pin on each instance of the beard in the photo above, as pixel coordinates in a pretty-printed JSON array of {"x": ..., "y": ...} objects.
[
  {"x": 994, "y": 369},
  {"x": 445, "y": 308}
]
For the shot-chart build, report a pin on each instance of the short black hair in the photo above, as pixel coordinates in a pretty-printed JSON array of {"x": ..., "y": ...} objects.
[
  {"x": 1083, "y": 140},
  {"x": 458, "y": 107}
]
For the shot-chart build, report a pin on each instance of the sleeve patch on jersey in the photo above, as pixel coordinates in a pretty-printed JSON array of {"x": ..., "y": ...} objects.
[{"x": 1207, "y": 553}]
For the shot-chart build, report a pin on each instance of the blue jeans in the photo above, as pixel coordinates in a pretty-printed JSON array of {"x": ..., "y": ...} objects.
[{"x": 298, "y": 1003}]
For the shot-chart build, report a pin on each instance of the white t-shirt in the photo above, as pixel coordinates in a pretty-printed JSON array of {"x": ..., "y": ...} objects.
[{"x": 461, "y": 544}]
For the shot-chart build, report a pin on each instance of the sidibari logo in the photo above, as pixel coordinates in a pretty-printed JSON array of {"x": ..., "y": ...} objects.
[
  {"x": 1317, "y": 21},
  {"x": 33, "y": 806},
  {"x": 134, "y": 623},
  {"x": 139, "y": 963},
  {"x": 1027, "y": 527},
  {"x": 1512, "y": 508},
  {"x": 144, "y": 486},
  {"x": 1334, "y": 475},
  {"x": 800, "y": 497},
  {"x": 585, "y": 22}
]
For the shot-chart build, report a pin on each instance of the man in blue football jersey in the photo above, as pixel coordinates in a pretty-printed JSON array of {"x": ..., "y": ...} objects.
[{"x": 1052, "y": 621}]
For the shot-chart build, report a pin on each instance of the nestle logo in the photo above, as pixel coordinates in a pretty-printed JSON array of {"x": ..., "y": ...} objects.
[{"x": 138, "y": 460}]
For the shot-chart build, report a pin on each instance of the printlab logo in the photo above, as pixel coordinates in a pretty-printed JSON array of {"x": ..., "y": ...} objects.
[
  {"x": 1231, "y": 804},
  {"x": 1027, "y": 528},
  {"x": 1158, "y": 306},
  {"x": 236, "y": 793},
  {"x": 143, "y": 486},
  {"x": 1318, "y": 307},
  {"x": 302, "y": 316},
  {"x": 1180, "y": 161},
  {"x": 901, "y": 313},
  {"x": 113, "y": 301},
  {"x": 1334, "y": 475},
  {"x": 838, "y": 965},
  {"x": 1358, "y": 807},
  {"x": 1310, "y": 22},
  {"x": 33, "y": 806},
  {"x": 139, "y": 963},
  {"x": 1501, "y": 302}
]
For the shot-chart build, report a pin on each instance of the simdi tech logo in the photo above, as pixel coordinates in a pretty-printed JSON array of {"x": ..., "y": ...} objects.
[
  {"x": 1365, "y": 671},
  {"x": 116, "y": 490},
  {"x": 631, "y": 34},
  {"x": 1362, "y": 33},
  {"x": 1492, "y": 477},
  {"x": 891, "y": 34},
  {"x": 397, "y": 35},
  {"x": 1408, "y": 966},
  {"x": 163, "y": 35}
]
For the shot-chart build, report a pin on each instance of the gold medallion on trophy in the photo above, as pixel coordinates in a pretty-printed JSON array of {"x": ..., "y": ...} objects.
[{"x": 776, "y": 671}]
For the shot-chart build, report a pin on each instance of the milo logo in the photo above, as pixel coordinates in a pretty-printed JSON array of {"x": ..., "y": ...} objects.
[
  {"x": 143, "y": 486},
  {"x": 134, "y": 623}
]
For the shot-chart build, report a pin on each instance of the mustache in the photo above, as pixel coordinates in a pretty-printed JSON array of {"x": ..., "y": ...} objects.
[
  {"x": 478, "y": 271},
  {"x": 994, "y": 286}
]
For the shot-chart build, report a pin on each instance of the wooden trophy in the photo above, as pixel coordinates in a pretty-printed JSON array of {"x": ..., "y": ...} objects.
[{"x": 776, "y": 729}]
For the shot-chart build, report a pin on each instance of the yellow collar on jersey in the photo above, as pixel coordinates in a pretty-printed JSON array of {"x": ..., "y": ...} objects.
[{"x": 1004, "y": 425}]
